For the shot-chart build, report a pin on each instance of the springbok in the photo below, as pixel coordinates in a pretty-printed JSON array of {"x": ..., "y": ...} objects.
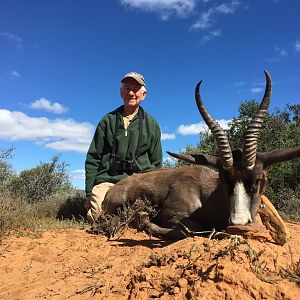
[{"x": 199, "y": 197}]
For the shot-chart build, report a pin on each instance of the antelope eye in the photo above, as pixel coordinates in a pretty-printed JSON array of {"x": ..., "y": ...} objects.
[{"x": 255, "y": 185}]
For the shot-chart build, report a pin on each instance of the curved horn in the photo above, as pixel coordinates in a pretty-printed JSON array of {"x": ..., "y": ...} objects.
[
  {"x": 222, "y": 140},
  {"x": 253, "y": 129}
]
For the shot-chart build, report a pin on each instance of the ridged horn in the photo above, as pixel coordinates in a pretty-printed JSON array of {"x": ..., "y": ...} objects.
[
  {"x": 225, "y": 153},
  {"x": 253, "y": 129}
]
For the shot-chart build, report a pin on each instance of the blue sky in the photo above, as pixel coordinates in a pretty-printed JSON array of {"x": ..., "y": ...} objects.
[{"x": 61, "y": 63}]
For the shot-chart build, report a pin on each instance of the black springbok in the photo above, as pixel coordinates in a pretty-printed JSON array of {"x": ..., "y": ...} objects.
[{"x": 199, "y": 197}]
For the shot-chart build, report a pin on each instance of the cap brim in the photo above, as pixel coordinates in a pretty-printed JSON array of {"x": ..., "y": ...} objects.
[{"x": 137, "y": 79}]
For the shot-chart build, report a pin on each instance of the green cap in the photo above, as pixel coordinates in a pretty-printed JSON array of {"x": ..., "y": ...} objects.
[{"x": 136, "y": 76}]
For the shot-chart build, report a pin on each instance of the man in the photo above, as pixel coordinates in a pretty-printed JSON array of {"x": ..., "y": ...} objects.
[{"x": 127, "y": 140}]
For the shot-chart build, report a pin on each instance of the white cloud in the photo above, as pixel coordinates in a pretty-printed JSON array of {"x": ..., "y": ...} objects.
[
  {"x": 256, "y": 89},
  {"x": 165, "y": 8},
  {"x": 211, "y": 35},
  {"x": 228, "y": 8},
  {"x": 13, "y": 39},
  {"x": 169, "y": 8},
  {"x": 78, "y": 174},
  {"x": 201, "y": 127},
  {"x": 15, "y": 74},
  {"x": 208, "y": 18},
  {"x": 239, "y": 83},
  {"x": 297, "y": 46},
  {"x": 59, "y": 134},
  {"x": 12, "y": 75},
  {"x": 192, "y": 129},
  {"x": 169, "y": 160},
  {"x": 168, "y": 136},
  {"x": 279, "y": 54},
  {"x": 259, "y": 86},
  {"x": 45, "y": 104},
  {"x": 69, "y": 145},
  {"x": 224, "y": 123},
  {"x": 204, "y": 20}
]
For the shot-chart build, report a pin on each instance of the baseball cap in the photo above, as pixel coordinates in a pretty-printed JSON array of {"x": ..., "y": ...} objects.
[{"x": 136, "y": 76}]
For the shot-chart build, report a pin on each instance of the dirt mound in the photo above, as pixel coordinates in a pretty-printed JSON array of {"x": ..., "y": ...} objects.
[{"x": 73, "y": 264}]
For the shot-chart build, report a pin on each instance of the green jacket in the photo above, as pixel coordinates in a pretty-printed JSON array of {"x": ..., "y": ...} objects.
[{"x": 99, "y": 156}]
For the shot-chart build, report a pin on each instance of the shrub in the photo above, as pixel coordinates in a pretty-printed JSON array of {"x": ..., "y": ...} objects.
[
  {"x": 41, "y": 182},
  {"x": 6, "y": 171},
  {"x": 41, "y": 197},
  {"x": 59, "y": 211}
]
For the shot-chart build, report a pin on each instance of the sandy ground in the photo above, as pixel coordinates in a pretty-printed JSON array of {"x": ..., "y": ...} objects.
[{"x": 73, "y": 264}]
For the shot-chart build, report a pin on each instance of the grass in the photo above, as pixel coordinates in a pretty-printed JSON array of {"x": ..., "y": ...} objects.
[{"x": 58, "y": 212}]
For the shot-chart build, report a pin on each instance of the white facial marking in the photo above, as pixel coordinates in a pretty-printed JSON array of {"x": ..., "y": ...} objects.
[{"x": 240, "y": 205}]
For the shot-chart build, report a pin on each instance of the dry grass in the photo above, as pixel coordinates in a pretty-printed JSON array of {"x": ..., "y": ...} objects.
[
  {"x": 127, "y": 216},
  {"x": 60, "y": 211}
]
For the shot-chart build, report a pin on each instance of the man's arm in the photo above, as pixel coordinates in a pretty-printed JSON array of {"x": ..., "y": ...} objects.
[
  {"x": 155, "y": 153},
  {"x": 93, "y": 160}
]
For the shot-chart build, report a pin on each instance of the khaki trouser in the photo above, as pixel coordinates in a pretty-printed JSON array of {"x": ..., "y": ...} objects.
[{"x": 96, "y": 199}]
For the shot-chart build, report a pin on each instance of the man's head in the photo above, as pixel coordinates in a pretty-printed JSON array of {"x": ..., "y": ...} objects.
[{"x": 133, "y": 89}]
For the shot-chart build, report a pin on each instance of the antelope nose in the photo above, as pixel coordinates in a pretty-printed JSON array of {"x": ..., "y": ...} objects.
[{"x": 239, "y": 220}]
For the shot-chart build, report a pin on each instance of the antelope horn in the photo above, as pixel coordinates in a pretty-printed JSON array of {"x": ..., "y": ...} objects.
[
  {"x": 253, "y": 129},
  {"x": 225, "y": 153}
]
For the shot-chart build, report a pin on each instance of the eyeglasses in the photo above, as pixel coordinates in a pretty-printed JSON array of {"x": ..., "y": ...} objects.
[{"x": 131, "y": 88}]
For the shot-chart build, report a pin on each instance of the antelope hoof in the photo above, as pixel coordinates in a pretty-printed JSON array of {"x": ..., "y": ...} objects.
[{"x": 142, "y": 219}]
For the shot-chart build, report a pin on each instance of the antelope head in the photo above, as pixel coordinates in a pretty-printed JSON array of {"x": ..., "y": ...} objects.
[{"x": 242, "y": 171}]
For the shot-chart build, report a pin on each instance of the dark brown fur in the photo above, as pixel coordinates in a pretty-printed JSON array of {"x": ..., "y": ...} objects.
[
  {"x": 183, "y": 195},
  {"x": 196, "y": 197}
]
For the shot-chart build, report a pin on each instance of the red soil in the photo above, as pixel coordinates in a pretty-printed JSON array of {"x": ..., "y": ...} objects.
[{"x": 73, "y": 264}]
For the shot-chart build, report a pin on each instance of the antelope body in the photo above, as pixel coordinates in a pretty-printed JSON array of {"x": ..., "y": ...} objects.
[{"x": 199, "y": 197}]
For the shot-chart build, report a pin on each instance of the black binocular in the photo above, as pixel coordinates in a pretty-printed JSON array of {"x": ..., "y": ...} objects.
[{"x": 120, "y": 165}]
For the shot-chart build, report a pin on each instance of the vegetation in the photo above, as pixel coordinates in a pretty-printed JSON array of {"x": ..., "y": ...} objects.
[
  {"x": 41, "y": 182},
  {"x": 281, "y": 130},
  {"x": 41, "y": 197}
]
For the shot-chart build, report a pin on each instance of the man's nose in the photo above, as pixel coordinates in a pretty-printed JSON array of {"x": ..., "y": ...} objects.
[{"x": 131, "y": 93}]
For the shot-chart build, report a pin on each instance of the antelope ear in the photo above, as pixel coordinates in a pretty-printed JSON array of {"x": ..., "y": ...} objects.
[
  {"x": 186, "y": 157},
  {"x": 277, "y": 156},
  {"x": 198, "y": 159},
  {"x": 206, "y": 160}
]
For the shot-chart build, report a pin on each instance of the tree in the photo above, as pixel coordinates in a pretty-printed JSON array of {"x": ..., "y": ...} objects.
[{"x": 6, "y": 171}]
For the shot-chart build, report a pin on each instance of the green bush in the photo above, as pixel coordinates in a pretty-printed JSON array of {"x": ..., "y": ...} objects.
[
  {"x": 41, "y": 197},
  {"x": 6, "y": 171},
  {"x": 41, "y": 182}
]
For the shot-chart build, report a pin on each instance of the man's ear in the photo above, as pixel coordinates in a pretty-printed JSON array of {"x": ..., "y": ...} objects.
[{"x": 144, "y": 95}]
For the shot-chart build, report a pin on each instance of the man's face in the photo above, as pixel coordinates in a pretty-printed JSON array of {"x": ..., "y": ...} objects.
[{"x": 132, "y": 92}]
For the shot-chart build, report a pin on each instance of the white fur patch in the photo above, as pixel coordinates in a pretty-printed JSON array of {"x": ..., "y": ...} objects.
[{"x": 240, "y": 205}]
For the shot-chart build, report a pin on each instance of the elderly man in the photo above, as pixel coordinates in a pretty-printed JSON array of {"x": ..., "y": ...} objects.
[{"x": 127, "y": 140}]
